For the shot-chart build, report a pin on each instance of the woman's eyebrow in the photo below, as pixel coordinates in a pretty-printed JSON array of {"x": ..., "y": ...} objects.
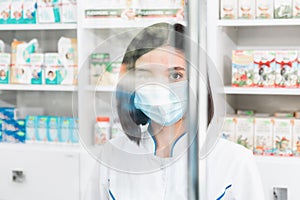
[
  {"x": 176, "y": 68},
  {"x": 142, "y": 70}
]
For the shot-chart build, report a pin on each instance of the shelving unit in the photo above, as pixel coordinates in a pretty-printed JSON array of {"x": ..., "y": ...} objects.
[
  {"x": 53, "y": 88},
  {"x": 27, "y": 27},
  {"x": 258, "y": 22},
  {"x": 262, "y": 91}
]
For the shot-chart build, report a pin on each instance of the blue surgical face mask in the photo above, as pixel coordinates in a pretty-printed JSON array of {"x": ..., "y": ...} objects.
[{"x": 163, "y": 104}]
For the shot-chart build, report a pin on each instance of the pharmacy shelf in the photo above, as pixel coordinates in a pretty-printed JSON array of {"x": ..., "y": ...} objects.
[
  {"x": 262, "y": 91},
  {"x": 12, "y": 27},
  {"x": 121, "y": 23},
  {"x": 92, "y": 88},
  {"x": 42, "y": 147},
  {"x": 54, "y": 88},
  {"x": 259, "y": 22},
  {"x": 278, "y": 159}
]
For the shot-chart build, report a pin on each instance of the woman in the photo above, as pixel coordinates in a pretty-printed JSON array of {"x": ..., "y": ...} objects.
[{"x": 151, "y": 163}]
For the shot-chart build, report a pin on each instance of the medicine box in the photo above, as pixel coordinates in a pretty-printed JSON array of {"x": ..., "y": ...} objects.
[
  {"x": 42, "y": 128},
  {"x": 283, "y": 9},
  {"x": 263, "y": 136},
  {"x": 228, "y": 129},
  {"x": 242, "y": 68},
  {"x": 4, "y": 68},
  {"x": 52, "y": 68},
  {"x": 20, "y": 134},
  {"x": 16, "y": 14},
  {"x": 98, "y": 64},
  {"x": 296, "y": 137},
  {"x": 65, "y": 130},
  {"x": 296, "y": 8},
  {"x": 264, "y": 68},
  {"x": 31, "y": 129},
  {"x": 229, "y": 9},
  {"x": 48, "y": 11},
  {"x": 282, "y": 143},
  {"x": 7, "y": 113},
  {"x": 74, "y": 130},
  {"x": 29, "y": 11},
  {"x": 298, "y": 68},
  {"x": 264, "y": 9},
  {"x": 286, "y": 69},
  {"x": 5, "y": 11},
  {"x": 245, "y": 131},
  {"x": 246, "y": 9},
  {"x": 1, "y": 130},
  {"x": 53, "y": 129},
  {"x": 36, "y": 68},
  {"x": 68, "y": 11}
]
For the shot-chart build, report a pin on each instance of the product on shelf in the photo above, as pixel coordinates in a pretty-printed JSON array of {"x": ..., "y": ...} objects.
[
  {"x": 5, "y": 11},
  {"x": 52, "y": 68},
  {"x": 74, "y": 130},
  {"x": 20, "y": 69},
  {"x": 110, "y": 75},
  {"x": 16, "y": 12},
  {"x": 98, "y": 64},
  {"x": 229, "y": 9},
  {"x": 283, "y": 114},
  {"x": 264, "y": 9},
  {"x": 4, "y": 68},
  {"x": 296, "y": 137},
  {"x": 246, "y": 9},
  {"x": 245, "y": 131},
  {"x": 1, "y": 126},
  {"x": 298, "y": 74},
  {"x": 102, "y": 130},
  {"x": 116, "y": 130},
  {"x": 283, "y": 9},
  {"x": 2, "y": 47},
  {"x": 29, "y": 11},
  {"x": 228, "y": 129},
  {"x": 286, "y": 69},
  {"x": 263, "y": 136},
  {"x": 31, "y": 128},
  {"x": 48, "y": 11},
  {"x": 296, "y": 8},
  {"x": 245, "y": 112},
  {"x": 297, "y": 114},
  {"x": 42, "y": 126},
  {"x": 36, "y": 68},
  {"x": 66, "y": 128},
  {"x": 67, "y": 50},
  {"x": 264, "y": 68},
  {"x": 242, "y": 68},
  {"x": 53, "y": 129},
  {"x": 282, "y": 137},
  {"x": 68, "y": 11}
]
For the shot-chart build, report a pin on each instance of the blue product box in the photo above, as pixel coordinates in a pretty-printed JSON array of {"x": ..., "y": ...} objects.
[
  {"x": 9, "y": 130},
  {"x": 31, "y": 128},
  {"x": 65, "y": 130},
  {"x": 53, "y": 129},
  {"x": 20, "y": 133},
  {"x": 7, "y": 113},
  {"x": 1, "y": 122},
  {"x": 74, "y": 131},
  {"x": 42, "y": 126}
]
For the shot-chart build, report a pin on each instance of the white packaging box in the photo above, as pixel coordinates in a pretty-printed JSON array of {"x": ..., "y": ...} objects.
[
  {"x": 245, "y": 131},
  {"x": 264, "y": 68},
  {"x": 228, "y": 129},
  {"x": 296, "y": 8},
  {"x": 5, "y": 10},
  {"x": 68, "y": 11},
  {"x": 282, "y": 143},
  {"x": 264, "y": 9},
  {"x": 296, "y": 137},
  {"x": 246, "y": 9},
  {"x": 228, "y": 9},
  {"x": 263, "y": 136},
  {"x": 16, "y": 13},
  {"x": 283, "y": 9}
]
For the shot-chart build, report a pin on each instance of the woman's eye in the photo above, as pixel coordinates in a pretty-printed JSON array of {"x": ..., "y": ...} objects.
[{"x": 175, "y": 76}]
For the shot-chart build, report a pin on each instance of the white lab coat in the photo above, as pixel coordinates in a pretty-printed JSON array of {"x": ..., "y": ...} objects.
[{"x": 138, "y": 174}]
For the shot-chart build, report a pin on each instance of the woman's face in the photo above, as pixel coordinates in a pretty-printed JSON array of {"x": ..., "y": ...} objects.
[{"x": 164, "y": 65}]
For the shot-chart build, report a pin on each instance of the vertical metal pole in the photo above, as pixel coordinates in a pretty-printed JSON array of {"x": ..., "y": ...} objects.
[{"x": 192, "y": 13}]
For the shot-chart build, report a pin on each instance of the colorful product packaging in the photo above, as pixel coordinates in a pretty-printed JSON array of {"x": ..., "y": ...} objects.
[
  {"x": 242, "y": 68},
  {"x": 298, "y": 68},
  {"x": 229, "y": 9},
  {"x": 16, "y": 14},
  {"x": 20, "y": 134},
  {"x": 53, "y": 129},
  {"x": 102, "y": 130},
  {"x": 245, "y": 131},
  {"x": 42, "y": 129},
  {"x": 66, "y": 130},
  {"x": 68, "y": 11},
  {"x": 98, "y": 64},
  {"x": 31, "y": 129},
  {"x": 36, "y": 68},
  {"x": 5, "y": 6},
  {"x": 246, "y": 9},
  {"x": 228, "y": 129},
  {"x": 29, "y": 11},
  {"x": 111, "y": 74},
  {"x": 1, "y": 130},
  {"x": 20, "y": 70},
  {"x": 264, "y": 68},
  {"x": 296, "y": 137},
  {"x": 286, "y": 69},
  {"x": 263, "y": 136},
  {"x": 4, "y": 68},
  {"x": 283, "y": 9},
  {"x": 9, "y": 130},
  {"x": 67, "y": 50},
  {"x": 282, "y": 137},
  {"x": 48, "y": 11},
  {"x": 7, "y": 113},
  {"x": 52, "y": 68},
  {"x": 2, "y": 47},
  {"x": 296, "y": 8},
  {"x": 264, "y": 9},
  {"x": 74, "y": 130}
]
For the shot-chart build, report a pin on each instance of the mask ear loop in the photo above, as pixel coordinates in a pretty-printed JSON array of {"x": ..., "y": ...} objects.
[{"x": 136, "y": 114}]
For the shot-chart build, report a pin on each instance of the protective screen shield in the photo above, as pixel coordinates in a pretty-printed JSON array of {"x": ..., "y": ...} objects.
[{"x": 155, "y": 102}]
